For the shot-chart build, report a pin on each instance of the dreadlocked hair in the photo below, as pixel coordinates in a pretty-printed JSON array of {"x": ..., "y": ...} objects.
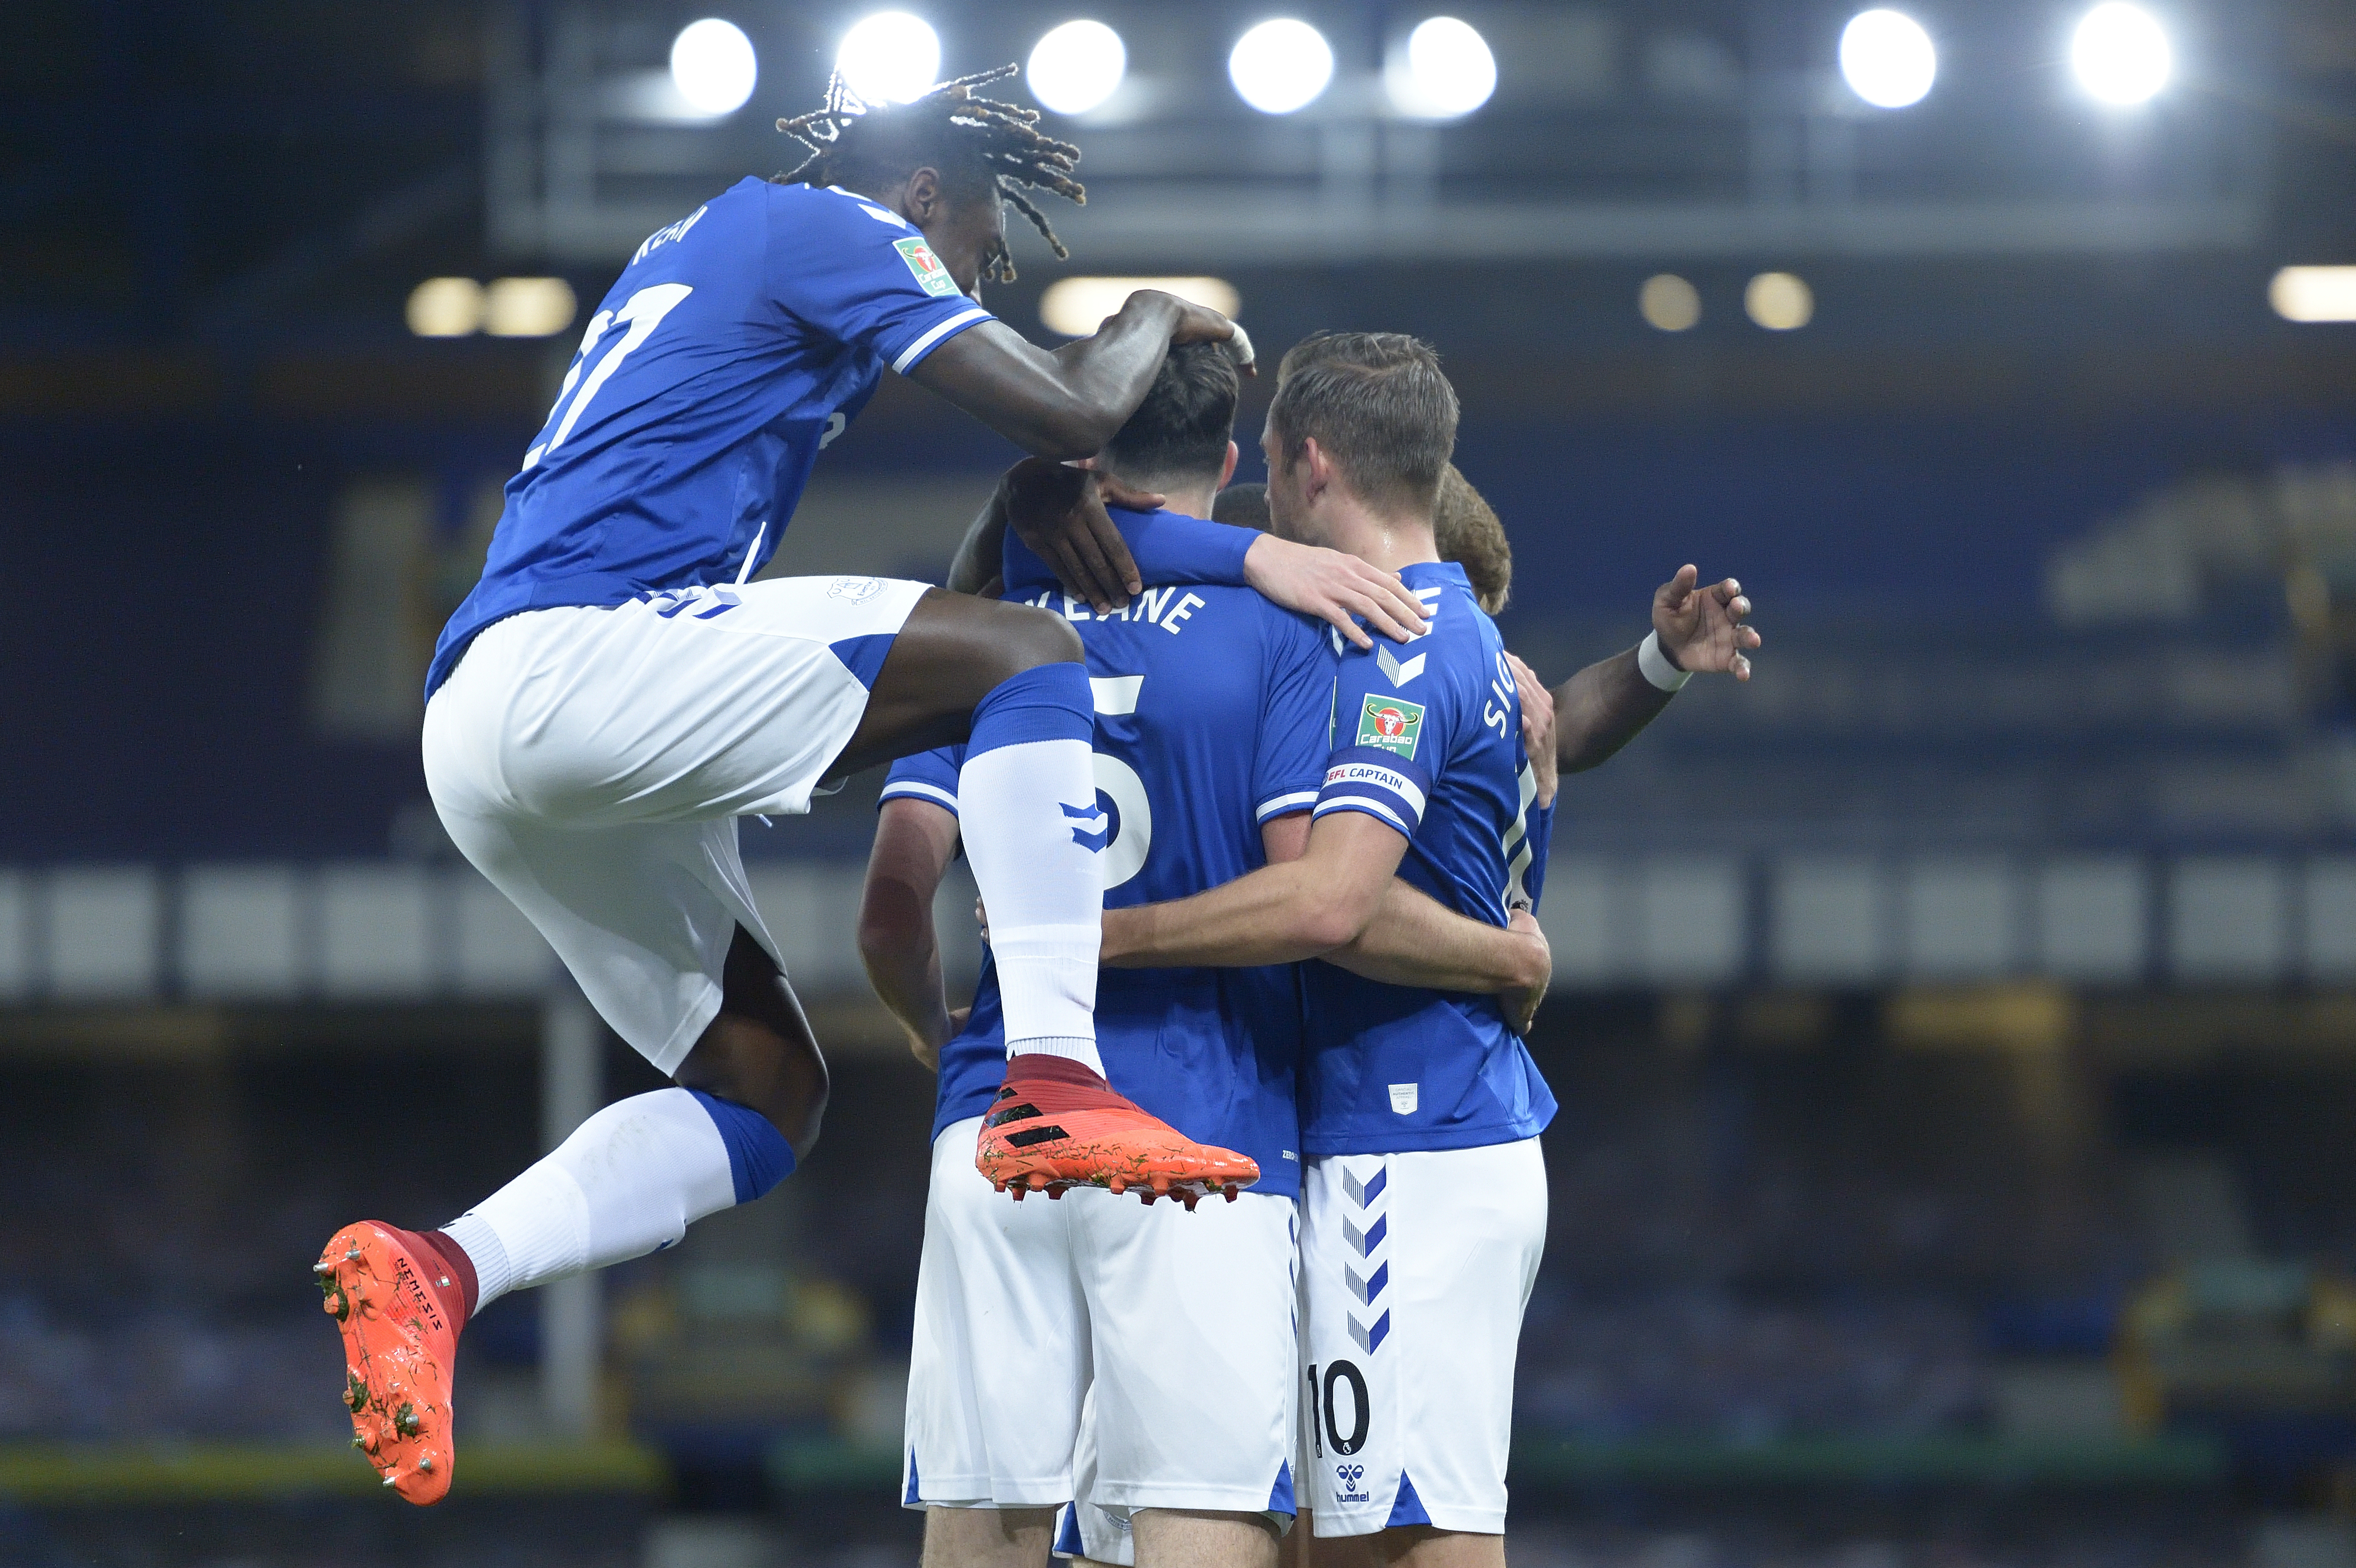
[{"x": 978, "y": 142}]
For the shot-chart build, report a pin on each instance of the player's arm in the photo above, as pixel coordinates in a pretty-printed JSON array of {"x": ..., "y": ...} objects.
[
  {"x": 1068, "y": 402},
  {"x": 1695, "y": 630},
  {"x": 976, "y": 564},
  {"x": 982, "y": 557},
  {"x": 914, "y": 841},
  {"x": 1415, "y": 940},
  {"x": 1282, "y": 913},
  {"x": 1056, "y": 514}
]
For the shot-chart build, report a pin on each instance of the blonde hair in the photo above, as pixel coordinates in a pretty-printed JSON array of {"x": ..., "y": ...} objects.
[{"x": 1467, "y": 531}]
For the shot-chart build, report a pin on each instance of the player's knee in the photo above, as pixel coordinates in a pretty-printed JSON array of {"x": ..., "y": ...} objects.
[
  {"x": 759, "y": 1050},
  {"x": 1034, "y": 638},
  {"x": 782, "y": 1079},
  {"x": 799, "y": 1117}
]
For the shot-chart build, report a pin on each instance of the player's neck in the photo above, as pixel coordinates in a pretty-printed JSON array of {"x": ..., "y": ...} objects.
[
  {"x": 1191, "y": 496},
  {"x": 1194, "y": 503},
  {"x": 1386, "y": 540}
]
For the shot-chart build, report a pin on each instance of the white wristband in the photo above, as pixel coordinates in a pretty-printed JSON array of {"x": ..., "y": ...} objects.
[{"x": 1656, "y": 666}]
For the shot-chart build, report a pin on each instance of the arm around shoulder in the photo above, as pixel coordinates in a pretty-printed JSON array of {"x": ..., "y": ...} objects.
[
  {"x": 1415, "y": 940},
  {"x": 1279, "y": 914}
]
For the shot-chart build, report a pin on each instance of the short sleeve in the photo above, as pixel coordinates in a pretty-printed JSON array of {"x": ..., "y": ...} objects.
[
  {"x": 1384, "y": 742},
  {"x": 858, "y": 273},
  {"x": 1297, "y": 701},
  {"x": 1168, "y": 547},
  {"x": 928, "y": 775}
]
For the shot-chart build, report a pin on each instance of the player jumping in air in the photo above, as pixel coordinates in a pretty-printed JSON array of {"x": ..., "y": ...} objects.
[
  {"x": 1212, "y": 710},
  {"x": 617, "y": 691}
]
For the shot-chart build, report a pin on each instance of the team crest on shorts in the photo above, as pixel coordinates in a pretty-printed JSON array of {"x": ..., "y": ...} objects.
[
  {"x": 1390, "y": 724},
  {"x": 857, "y": 590}
]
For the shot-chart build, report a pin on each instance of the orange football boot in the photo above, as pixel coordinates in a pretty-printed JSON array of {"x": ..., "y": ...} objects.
[
  {"x": 400, "y": 1312},
  {"x": 1055, "y": 1126}
]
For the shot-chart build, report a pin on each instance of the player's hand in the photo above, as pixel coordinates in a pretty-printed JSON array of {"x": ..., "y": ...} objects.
[
  {"x": 1538, "y": 728},
  {"x": 1059, "y": 511},
  {"x": 1200, "y": 324},
  {"x": 1521, "y": 1004},
  {"x": 1701, "y": 629},
  {"x": 1334, "y": 587}
]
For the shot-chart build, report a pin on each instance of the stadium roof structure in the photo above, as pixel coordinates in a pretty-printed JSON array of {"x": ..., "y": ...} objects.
[{"x": 1612, "y": 133}]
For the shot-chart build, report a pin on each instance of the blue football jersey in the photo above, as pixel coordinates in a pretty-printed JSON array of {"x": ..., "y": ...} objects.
[
  {"x": 1428, "y": 739},
  {"x": 737, "y": 342},
  {"x": 1211, "y": 719}
]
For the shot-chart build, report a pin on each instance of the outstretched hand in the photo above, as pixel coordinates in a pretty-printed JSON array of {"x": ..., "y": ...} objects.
[
  {"x": 1059, "y": 511},
  {"x": 1334, "y": 587},
  {"x": 1701, "y": 629}
]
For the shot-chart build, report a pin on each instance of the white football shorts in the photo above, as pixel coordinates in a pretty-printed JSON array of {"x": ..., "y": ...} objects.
[
  {"x": 593, "y": 762},
  {"x": 1414, "y": 1272},
  {"x": 1178, "y": 1326},
  {"x": 1086, "y": 1529}
]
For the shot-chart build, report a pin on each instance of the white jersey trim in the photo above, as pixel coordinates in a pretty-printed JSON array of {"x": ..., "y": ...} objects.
[
  {"x": 1277, "y": 806},
  {"x": 1360, "y": 803},
  {"x": 916, "y": 350},
  {"x": 918, "y": 789}
]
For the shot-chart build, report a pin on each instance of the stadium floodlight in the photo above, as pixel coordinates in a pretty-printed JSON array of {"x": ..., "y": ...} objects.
[
  {"x": 889, "y": 57},
  {"x": 1887, "y": 58},
  {"x": 2120, "y": 54},
  {"x": 445, "y": 308},
  {"x": 2314, "y": 294},
  {"x": 713, "y": 65},
  {"x": 1445, "y": 72},
  {"x": 1779, "y": 302},
  {"x": 1078, "y": 307},
  {"x": 1076, "y": 66},
  {"x": 1280, "y": 66},
  {"x": 1669, "y": 303},
  {"x": 527, "y": 307}
]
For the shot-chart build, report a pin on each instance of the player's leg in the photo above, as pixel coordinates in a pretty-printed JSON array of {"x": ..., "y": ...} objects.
[
  {"x": 1007, "y": 680},
  {"x": 1195, "y": 1538},
  {"x": 631, "y": 1178},
  {"x": 759, "y": 1050},
  {"x": 1409, "y": 1546},
  {"x": 548, "y": 797},
  {"x": 1196, "y": 1367},
  {"x": 1417, "y": 1269},
  {"x": 997, "y": 1372},
  {"x": 988, "y": 1537}
]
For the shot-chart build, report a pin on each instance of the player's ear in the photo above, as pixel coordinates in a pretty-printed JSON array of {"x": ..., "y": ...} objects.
[
  {"x": 1229, "y": 471},
  {"x": 924, "y": 196},
  {"x": 1318, "y": 469}
]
